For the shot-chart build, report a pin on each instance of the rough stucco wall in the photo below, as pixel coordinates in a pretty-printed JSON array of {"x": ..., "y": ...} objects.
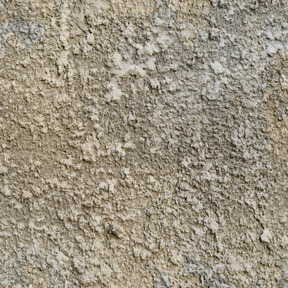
[{"x": 143, "y": 143}]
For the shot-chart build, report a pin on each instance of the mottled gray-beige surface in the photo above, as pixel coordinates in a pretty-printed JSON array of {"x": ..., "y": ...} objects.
[{"x": 144, "y": 143}]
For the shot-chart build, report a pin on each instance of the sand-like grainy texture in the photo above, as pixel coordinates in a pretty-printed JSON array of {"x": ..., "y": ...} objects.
[{"x": 143, "y": 143}]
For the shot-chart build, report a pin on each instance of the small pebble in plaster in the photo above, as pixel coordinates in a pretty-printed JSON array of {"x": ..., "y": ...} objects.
[
  {"x": 90, "y": 39},
  {"x": 3, "y": 170},
  {"x": 217, "y": 67},
  {"x": 266, "y": 236},
  {"x": 166, "y": 280},
  {"x": 115, "y": 92}
]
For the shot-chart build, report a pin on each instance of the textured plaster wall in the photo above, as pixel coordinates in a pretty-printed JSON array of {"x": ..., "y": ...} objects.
[{"x": 144, "y": 143}]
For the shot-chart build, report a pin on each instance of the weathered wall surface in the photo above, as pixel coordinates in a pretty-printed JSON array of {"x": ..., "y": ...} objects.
[{"x": 143, "y": 143}]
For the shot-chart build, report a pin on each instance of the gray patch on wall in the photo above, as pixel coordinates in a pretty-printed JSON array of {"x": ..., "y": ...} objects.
[{"x": 29, "y": 33}]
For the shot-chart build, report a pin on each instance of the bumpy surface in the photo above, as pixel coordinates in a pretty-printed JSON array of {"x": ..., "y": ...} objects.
[{"x": 143, "y": 143}]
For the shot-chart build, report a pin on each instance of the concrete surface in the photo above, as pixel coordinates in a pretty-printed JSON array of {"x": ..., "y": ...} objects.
[{"x": 143, "y": 143}]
